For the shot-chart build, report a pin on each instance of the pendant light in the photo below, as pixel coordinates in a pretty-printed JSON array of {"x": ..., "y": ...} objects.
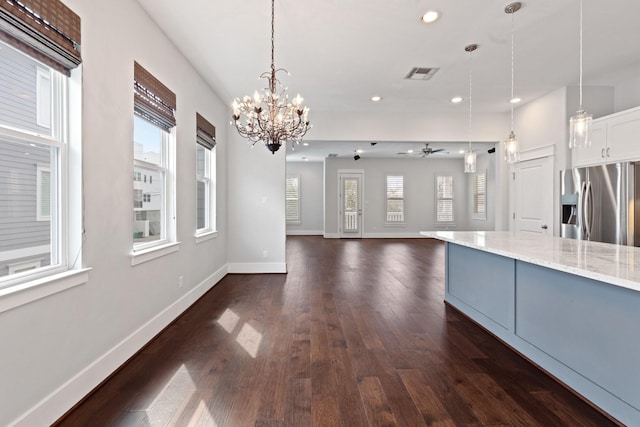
[
  {"x": 511, "y": 144},
  {"x": 580, "y": 124},
  {"x": 470, "y": 155}
]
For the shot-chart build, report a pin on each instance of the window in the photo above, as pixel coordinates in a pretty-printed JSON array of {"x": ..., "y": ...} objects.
[
  {"x": 153, "y": 157},
  {"x": 40, "y": 201},
  {"x": 205, "y": 163},
  {"x": 149, "y": 204},
  {"x": 395, "y": 198},
  {"x": 480, "y": 196},
  {"x": 33, "y": 160},
  {"x": 444, "y": 199},
  {"x": 292, "y": 197}
]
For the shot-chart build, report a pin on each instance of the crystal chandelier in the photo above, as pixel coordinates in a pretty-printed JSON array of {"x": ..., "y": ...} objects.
[
  {"x": 511, "y": 144},
  {"x": 269, "y": 116},
  {"x": 470, "y": 155},
  {"x": 580, "y": 124}
]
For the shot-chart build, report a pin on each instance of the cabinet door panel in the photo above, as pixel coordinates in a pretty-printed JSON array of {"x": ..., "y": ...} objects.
[{"x": 623, "y": 136}]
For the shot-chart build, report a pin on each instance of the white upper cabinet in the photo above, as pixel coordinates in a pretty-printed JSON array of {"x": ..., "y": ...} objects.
[{"x": 614, "y": 138}]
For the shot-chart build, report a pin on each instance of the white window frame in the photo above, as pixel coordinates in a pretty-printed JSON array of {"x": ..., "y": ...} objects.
[
  {"x": 66, "y": 238},
  {"x": 166, "y": 171},
  {"x": 40, "y": 169},
  {"x": 297, "y": 199},
  {"x": 209, "y": 230},
  {"x": 24, "y": 266},
  {"x": 389, "y": 218},
  {"x": 440, "y": 199},
  {"x": 44, "y": 97},
  {"x": 477, "y": 213}
]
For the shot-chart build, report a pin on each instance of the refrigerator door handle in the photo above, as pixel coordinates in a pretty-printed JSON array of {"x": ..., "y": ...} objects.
[
  {"x": 581, "y": 216},
  {"x": 588, "y": 209}
]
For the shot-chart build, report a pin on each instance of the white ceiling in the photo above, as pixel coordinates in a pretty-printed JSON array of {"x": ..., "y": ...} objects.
[{"x": 340, "y": 53}]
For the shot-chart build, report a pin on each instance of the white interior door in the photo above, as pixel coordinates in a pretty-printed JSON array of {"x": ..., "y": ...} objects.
[
  {"x": 533, "y": 196},
  {"x": 350, "y": 205}
]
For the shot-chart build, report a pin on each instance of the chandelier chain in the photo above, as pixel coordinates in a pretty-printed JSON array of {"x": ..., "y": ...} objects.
[{"x": 273, "y": 39}]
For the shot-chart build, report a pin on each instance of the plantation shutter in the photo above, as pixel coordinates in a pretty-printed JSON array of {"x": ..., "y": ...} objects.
[
  {"x": 46, "y": 30},
  {"x": 205, "y": 133},
  {"x": 444, "y": 199},
  {"x": 153, "y": 101},
  {"x": 395, "y": 198},
  {"x": 479, "y": 194},
  {"x": 45, "y": 191},
  {"x": 292, "y": 196}
]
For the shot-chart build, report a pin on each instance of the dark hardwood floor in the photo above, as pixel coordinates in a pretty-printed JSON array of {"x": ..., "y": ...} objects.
[{"x": 356, "y": 334}]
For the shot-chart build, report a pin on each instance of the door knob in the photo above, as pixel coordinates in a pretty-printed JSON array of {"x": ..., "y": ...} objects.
[{"x": 544, "y": 227}]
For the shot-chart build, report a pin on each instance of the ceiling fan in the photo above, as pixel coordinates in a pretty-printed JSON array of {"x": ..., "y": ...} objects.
[{"x": 423, "y": 152}]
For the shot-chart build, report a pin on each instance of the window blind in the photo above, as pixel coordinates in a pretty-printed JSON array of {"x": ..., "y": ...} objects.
[
  {"x": 479, "y": 194},
  {"x": 153, "y": 101},
  {"x": 395, "y": 198},
  {"x": 44, "y": 29},
  {"x": 292, "y": 196},
  {"x": 444, "y": 199},
  {"x": 205, "y": 132}
]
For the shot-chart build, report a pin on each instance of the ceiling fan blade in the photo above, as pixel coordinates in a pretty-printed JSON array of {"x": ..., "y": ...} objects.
[{"x": 437, "y": 150}]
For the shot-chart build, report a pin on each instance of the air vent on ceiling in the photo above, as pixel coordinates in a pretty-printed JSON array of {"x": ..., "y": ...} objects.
[
  {"x": 332, "y": 155},
  {"x": 421, "y": 73}
]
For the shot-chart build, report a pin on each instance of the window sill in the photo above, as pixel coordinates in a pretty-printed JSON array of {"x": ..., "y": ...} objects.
[
  {"x": 139, "y": 257},
  {"x": 25, "y": 293},
  {"x": 208, "y": 235}
]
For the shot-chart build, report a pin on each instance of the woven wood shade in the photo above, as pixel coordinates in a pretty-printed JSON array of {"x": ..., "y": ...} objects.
[
  {"x": 153, "y": 101},
  {"x": 44, "y": 29},
  {"x": 205, "y": 132}
]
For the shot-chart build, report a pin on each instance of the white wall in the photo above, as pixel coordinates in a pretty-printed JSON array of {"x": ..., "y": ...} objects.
[
  {"x": 56, "y": 349},
  {"x": 311, "y": 198},
  {"x": 419, "y": 181},
  {"x": 627, "y": 90},
  {"x": 256, "y": 208}
]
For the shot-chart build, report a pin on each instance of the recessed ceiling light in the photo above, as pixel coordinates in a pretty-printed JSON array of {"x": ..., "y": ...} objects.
[
  {"x": 359, "y": 151},
  {"x": 456, "y": 99},
  {"x": 409, "y": 151},
  {"x": 515, "y": 100},
  {"x": 305, "y": 159},
  {"x": 306, "y": 144},
  {"x": 430, "y": 17},
  {"x": 461, "y": 152},
  {"x": 376, "y": 98}
]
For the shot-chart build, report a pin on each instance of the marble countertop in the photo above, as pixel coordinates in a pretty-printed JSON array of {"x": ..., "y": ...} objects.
[{"x": 614, "y": 264}]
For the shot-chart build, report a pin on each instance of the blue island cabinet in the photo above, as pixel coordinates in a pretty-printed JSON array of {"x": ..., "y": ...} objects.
[{"x": 584, "y": 332}]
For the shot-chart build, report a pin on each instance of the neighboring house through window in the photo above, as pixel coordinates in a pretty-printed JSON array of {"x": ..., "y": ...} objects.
[
  {"x": 292, "y": 195},
  {"x": 444, "y": 199},
  {"x": 395, "y": 198}
]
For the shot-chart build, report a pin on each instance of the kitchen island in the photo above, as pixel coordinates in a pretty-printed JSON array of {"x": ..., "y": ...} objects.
[{"x": 571, "y": 307}]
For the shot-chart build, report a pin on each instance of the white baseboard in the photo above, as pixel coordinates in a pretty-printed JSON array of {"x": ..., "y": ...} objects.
[
  {"x": 304, "y": 232},
  {"x": 55, "y": 405},
  {"x": 331, "y": 235},
  {"x": 257, "y": 267}
]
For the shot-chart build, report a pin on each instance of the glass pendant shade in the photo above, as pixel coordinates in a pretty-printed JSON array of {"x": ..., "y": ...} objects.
[
  {"x": 469, "y": 161},
  {"x": 580, "y": 130},
  {"x": 511, "y": 149}
]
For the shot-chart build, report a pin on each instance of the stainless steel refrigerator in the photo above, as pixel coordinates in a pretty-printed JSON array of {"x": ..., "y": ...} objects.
[{"x": 598, "y": 203}]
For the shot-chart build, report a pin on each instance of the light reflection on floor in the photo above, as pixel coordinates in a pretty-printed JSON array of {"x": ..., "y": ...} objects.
[{"x": 248, "y": 337}]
